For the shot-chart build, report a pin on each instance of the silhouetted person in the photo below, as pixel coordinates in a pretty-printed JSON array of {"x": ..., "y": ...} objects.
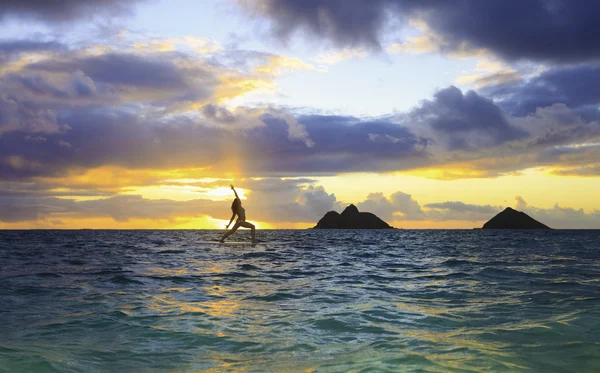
[{"x": 237, "y": 209}]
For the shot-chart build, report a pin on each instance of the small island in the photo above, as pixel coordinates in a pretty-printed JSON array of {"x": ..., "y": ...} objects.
[
  {"x": 351, "y": 218},
  {"x": 513, "y": 219}
]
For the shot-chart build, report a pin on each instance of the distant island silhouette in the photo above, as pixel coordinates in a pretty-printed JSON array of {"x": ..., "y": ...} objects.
[
  {"x": 513, "y": 219},
  {"x": 351, "y": 218}
]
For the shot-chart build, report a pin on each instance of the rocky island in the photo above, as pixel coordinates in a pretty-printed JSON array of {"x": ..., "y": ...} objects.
[
  {"x": 513, "y": 219},
  {"x": 351, "y": 218}
]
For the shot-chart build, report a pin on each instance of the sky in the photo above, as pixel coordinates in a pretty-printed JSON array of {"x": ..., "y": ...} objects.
[{"x": 430, "y": 114}]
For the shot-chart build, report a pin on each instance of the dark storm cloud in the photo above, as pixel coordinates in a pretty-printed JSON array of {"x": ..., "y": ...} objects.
[
  {"x": 78, "y": 86},
  {"x": 102, "y": 137},
  {"x": 547, "y": 30},
  {"x": 339, "y": 144},
  {"x": 11, "y": 47},
  {"x": 127, "y": 69},
  {"x": 578, "y": 87},
  {"x": 25, "y": 116},
  {"x": 63, "y": 10},
  {"x": 164, "y": 82},
  {"x": 463, "y": 121},
  {"x": 552, "y": 30},
  {"x": 572, "y": 156},
  {"x": 357, "y": 22},
  {"x": 222, "y": 117}
]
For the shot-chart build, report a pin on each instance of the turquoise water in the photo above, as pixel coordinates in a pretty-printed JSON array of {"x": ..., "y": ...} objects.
[{"x": 313, "y": 301}]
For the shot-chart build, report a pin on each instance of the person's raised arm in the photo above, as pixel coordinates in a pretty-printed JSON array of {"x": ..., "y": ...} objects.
[{"x": 232, "y": 188}]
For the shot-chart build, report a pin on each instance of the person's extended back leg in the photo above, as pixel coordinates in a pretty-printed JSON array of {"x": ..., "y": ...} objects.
[{"x": 251, "y": 226}]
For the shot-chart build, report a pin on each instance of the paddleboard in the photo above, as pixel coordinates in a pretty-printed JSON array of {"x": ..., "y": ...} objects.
[
  {"x": 244, "y": 242},
  {"x": 238, "y": 243},
  {"x": 230, "y": 242}
]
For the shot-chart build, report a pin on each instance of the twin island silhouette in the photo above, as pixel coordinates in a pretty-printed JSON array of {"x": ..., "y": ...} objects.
[{"x": 351, "y": 218}]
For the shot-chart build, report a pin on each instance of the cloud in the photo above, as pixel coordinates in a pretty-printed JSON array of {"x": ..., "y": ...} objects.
[
  {"x": 463, "y": 121},
  {"x": 225, "y": 118},
  {"x": 517, "y": 30},
  {"x": 59, "y": 11},
  {"x": 277, "y": 64},
  {"x": 257, "y": 62},
  {"x": 159, "y": 44},
  {"x": 150, "y": 81},
  {"x": 593, "y": 171},
  {"x": 296, "y": 130},
  {"x": 76, "y": 85},
  {"x": 11, "y": 49},
  {"x": 156, "y": 71},
  {"x": 27, "y": 116},
  {"x": 399, "y": 206},
  {"x": 577, "y": 87},
  {"x": 489, "y": 72},
  {"x": 558, "y": 126},
  {"x": 339, "y": 144},
  {"x": 354, "y": 24},
  {"x": 431, "y": 42}
]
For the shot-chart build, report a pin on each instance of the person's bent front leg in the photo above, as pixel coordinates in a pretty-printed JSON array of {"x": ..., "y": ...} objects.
[{"x": 251, "y": 226}]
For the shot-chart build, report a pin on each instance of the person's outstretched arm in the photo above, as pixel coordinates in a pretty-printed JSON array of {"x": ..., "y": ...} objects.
[
  {"x": 230, "y": 220},
  {"x": 232, "y": 188}
]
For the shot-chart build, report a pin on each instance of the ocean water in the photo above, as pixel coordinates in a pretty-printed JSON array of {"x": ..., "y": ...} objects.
[{"x": 304, "y": 301}]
